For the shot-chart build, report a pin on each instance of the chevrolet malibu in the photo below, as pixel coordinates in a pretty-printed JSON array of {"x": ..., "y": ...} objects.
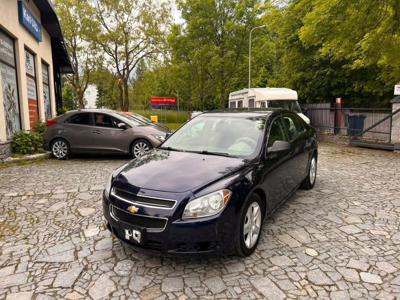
[{"x": 210, "y": 185}]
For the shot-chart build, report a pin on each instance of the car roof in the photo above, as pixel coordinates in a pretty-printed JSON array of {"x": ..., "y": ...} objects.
[{"x": 245, "y": 112}]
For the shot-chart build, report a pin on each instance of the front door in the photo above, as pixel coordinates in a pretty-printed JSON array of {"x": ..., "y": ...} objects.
[
  {"x": 109, "y": 137},
  {"x": 299, "y": 154},
  {"x": 276, "y": 171}
]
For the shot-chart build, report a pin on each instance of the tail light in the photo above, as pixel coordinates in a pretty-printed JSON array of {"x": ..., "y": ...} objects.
[{"x": 51, "y": 122}]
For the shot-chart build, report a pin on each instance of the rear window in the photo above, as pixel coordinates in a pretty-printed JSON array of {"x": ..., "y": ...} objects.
[{"x": 81, "y": 119}]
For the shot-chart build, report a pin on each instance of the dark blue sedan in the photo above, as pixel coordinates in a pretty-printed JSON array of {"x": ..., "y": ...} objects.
[{"x": 209, "y": 186}]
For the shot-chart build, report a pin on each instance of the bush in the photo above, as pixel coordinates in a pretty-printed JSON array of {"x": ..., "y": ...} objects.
[
  {"x": 25, "y": 142},
  {"x": 40, "y": 128}
]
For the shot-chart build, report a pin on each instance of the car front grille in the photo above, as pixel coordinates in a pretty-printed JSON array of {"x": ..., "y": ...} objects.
[
  {"x": 150, "y": 223},
  {"x": 143, "y": 200}
]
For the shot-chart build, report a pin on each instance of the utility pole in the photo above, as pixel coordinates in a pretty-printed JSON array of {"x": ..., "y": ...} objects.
[{"x": 251, "y": 31}]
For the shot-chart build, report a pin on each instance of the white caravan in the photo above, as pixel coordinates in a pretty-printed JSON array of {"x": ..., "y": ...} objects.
[{"x": 267, "y": 97}]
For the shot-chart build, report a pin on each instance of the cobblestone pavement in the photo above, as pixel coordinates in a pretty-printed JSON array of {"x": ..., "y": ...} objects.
[{"x": 340, "y": 240}]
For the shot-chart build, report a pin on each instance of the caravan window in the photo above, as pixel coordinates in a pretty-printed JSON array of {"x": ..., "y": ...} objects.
[
  {"x": 240, "y": 104},
  {"x": 291, "y": 105},
  {"x": 232, "y": 104},
  {"x": 263, "y": 104}
]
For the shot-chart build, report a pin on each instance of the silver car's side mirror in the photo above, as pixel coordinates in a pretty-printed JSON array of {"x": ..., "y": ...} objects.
[{"x": 122, "y": 126}]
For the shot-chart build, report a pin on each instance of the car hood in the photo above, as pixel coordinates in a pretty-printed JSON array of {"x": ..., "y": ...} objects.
[{"x": 176, "y": 172}]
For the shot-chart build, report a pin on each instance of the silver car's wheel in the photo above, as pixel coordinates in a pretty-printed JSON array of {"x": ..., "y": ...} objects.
[
  {"x": 252, "y": 225},
  {"x": 60, "y": 149},
  {"x": 139, "y": 148}
]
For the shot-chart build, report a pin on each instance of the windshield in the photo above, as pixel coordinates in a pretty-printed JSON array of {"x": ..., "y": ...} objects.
[
  {"x": 131, "y": 120},
  {"x": 291, "y": 105},
  {"x": 141, "y": 118},
  {"x": 220, "y": 135}
]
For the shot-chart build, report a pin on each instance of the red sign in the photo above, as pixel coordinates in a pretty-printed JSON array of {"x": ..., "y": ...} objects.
[{"x": 163, "y": 101}]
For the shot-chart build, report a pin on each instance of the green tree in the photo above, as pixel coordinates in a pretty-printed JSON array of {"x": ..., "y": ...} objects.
[
  {"x": 76, "y": 18},
  {"x": 130, "y": 31}
]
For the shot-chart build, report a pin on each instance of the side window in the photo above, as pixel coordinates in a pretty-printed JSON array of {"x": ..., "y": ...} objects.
[
  {"x": 276, "y": 133},
  {"x": 81, "y": 119},
  {"x": 104, "y": 120},
  {"x": 293, "y": 126}
]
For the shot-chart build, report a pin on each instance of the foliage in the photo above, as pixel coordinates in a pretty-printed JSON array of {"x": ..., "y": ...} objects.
[
  {"x": 78, "y": 27},
  {"x": 25, "y": 142},
  {"x": 69, "y": 99},
  {"x": 40, "y": 128},
  {"x": 128, "y": 32}
]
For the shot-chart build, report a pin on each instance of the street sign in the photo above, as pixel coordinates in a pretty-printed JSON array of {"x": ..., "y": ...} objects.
[
  {"x": 397, "y": 89},
  {"x": 163, "y": 101}
]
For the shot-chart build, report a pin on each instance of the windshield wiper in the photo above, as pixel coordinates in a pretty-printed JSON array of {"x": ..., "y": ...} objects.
[
  {"x": 214, "y": 153},
  {"x": 170, "y": 149}
]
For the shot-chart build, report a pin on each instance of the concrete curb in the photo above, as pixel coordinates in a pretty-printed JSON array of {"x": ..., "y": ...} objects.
[{"x": 25, "y": 158}]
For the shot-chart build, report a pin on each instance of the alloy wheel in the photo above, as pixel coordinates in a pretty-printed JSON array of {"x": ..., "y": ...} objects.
[
  {"x": 140, "y": 148},
  {"x": 252, "y": 225},
  {"x": 313, "y": 170},
  {"x": 60, "y": 149}
]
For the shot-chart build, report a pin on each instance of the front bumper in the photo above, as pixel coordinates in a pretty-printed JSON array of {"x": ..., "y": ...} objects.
[{"x": 178, "y": 237}]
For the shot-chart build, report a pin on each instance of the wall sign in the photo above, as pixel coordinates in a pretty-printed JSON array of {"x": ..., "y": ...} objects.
[{"x": 28, "y": 20}]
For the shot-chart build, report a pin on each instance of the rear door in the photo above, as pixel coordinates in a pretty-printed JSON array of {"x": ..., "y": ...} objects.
[
  {"x": 78, "y": 130},
  {"x": 109, "y": 137},
  {"x": 296, "y": 133}
]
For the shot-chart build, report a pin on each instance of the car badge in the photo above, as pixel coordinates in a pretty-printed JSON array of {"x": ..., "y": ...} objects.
[{"x": 132, "y": 209}]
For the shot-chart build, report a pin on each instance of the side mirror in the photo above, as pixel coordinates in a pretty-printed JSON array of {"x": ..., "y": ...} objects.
[
  {"x": 279, "y": 146},
  {"x": 122, "y": 126}
]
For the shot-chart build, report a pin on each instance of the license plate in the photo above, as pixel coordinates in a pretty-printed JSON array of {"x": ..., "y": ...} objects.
[{"x": 133, "y": 235}]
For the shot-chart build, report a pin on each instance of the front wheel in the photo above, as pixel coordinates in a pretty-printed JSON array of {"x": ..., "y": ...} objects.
[
  {"x": 140, "y": 147},
  {"x": 309, "y": 182},
  {"x": 249, "y": 231}
]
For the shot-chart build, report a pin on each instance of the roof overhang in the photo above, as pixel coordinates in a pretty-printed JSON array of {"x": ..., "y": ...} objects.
[{"x": 52, "y": 25}]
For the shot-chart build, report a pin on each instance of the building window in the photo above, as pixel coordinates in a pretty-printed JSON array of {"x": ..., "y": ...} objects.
[
  {"x": 32, "y": 88},
  {"x": 9, "y": 85},
  {"x": 46, "y": 91}
]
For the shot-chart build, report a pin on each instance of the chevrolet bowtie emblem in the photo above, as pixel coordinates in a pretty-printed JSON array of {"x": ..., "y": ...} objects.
[{"x": 132, "y": 209}]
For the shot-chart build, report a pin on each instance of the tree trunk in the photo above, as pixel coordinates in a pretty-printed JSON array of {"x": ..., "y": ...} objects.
[
  {"x": 80, "y": 96},
  {"x": 125, "y": 95}
]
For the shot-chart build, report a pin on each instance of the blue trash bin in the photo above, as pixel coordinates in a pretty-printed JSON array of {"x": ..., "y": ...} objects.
[{"x": 355, "y": 124}]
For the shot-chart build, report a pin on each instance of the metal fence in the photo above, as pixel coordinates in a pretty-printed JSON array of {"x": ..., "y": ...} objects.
[{"x": 350, "y": 121}]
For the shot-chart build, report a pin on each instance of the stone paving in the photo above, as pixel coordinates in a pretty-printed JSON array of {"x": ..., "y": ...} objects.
[{"x": 340, "y": 240}]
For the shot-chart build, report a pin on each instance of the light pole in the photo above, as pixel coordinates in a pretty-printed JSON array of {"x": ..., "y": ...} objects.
[{"x": 251, "y": 31}]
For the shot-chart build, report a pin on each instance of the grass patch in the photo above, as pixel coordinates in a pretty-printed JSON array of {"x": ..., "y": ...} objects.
[
  {"x": 166, "y": 116},
  {"x": 173, "y": 126}
]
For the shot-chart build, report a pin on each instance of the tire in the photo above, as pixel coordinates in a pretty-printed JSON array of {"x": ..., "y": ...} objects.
[
  {"x": 309, "y": 182},
  {"x": 140, "y": 147},
  {"x": 246, "y": 243},
  {"x": 60, "y": 149}
]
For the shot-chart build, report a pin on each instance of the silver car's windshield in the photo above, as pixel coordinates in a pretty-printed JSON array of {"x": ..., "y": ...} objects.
[
  {"x": 291, "y": 105},
  {"x": 211, "y": 134},
  {"x": 131, "y": 120}
]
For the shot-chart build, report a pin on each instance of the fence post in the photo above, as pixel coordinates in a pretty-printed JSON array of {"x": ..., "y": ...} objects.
[{"x": 395, "y": 129}]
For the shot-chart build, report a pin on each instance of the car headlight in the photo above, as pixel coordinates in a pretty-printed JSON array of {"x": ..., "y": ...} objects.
[
  {"x": 207, "y": 205},
  {"x": 161, "y": 138},
  {"x": 107, "y": 188}
]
